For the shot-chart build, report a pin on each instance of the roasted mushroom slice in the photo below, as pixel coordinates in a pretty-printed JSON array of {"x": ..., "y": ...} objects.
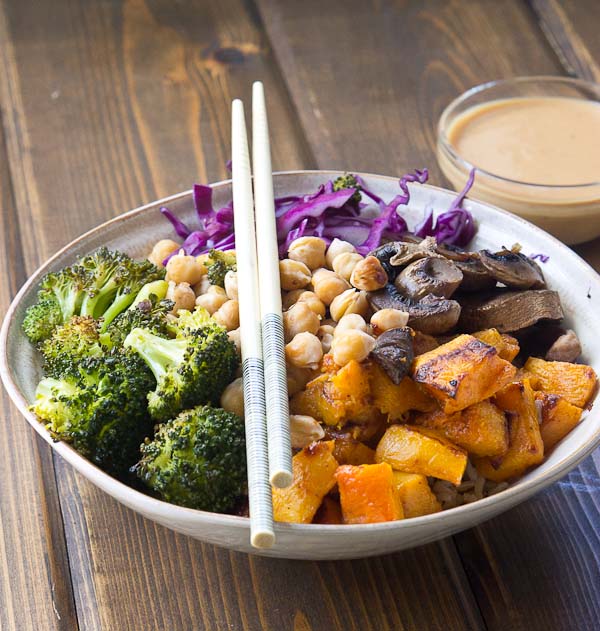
[
  {"x": 432, "y": 315},
  {"x": 509, "y": 311},
  {"x": 394, "y": 352},
  {"x": 436, "y": 276},
  {"x": 396, "y": 254},
  {"x": 567, "y": 348},
  {"x": 475, "y": 276},
  {"x": 513, "y": 269}
]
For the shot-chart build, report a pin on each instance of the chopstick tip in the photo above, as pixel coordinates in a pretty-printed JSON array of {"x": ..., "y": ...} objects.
[
  {"x": 263, "y": 539},
  {"x": 281, "y": 479}
]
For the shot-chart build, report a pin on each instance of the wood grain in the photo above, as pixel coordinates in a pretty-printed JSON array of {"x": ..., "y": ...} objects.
[
  {"x": 35, "y": 586},
  {"x": 131, "y": 101}
]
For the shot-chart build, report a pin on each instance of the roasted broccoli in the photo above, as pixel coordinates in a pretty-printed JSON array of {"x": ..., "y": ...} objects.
[
  {"x": 197, "y": 460},
  {"x": 192, "y": 369},
  {"x": 218, "y": 264},
  {"x": 70, "y": 343},
  {"x": 348, "y": 181},
  {"x": 100, "y": 409},
  {"x": 147, "y": 314},
  {"x": 100, "y": 285}
]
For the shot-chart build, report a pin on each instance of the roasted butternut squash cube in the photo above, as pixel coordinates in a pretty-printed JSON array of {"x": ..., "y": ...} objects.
[
  {"x": 350, "y": 451},
  {"x": 367, "y": 494},
  {"x": 415, "y": 495},
  {"x": 330, "y": 512},
  {"x": 481, "y": 428},
  {"x": 314, "y": 476},
  {"x": 395, "y": 400},
  {"x": 559, "y": 417},
  {"x": 574, "y": 382},
  {"x": 462, "y": 372},
  {"x": 421, "y": 450},
  {"x": 526, "y": 448},
  {"x": 506, "y": 345},
  {"x": 336, "y": 397}
]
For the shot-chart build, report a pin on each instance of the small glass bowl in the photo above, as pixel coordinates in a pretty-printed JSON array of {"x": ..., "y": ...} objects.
[{"x": 569, "y": 212}]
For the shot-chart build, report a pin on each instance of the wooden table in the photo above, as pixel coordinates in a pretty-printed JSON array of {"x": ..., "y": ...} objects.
[{"x": 107, "y": 105}]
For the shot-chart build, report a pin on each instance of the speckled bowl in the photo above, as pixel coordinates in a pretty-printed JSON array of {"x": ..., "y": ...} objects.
[{"x": 135, "y": 231}]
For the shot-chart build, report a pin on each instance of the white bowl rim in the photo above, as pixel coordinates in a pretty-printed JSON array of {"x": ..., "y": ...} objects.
[{"x": 132, "y": 497}]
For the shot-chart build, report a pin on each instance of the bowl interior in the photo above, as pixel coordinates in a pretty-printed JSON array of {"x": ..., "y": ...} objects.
[{"x": 136, "y": 231}]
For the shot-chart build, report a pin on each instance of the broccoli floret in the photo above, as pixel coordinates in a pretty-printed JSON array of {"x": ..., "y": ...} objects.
[
  {"x": 100, "y": 409},
  {"x": 197, "y": 460},
  {"x": 348, "y": 181},
  {"x": 187, "y": 321},
  {"x": 100, "y": 285},
  {"x": 69, "y": 344},
  {"x": 191, "y": 369},
  {"x": 114, "y": 280},
  {"x": 147, "y": 314},
  {"x": 218, "y": 264}
]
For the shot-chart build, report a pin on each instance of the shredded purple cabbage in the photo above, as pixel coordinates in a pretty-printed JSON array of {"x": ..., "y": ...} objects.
[
  {"x": 544, "y": 258},
  {"x": 328, "y": 214},
  {"x": 456, "y": 226}
]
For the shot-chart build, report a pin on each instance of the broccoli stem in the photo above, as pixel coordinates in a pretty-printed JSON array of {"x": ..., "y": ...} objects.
[
  {"x": 95, "y": 304},
  {"x": 119, "y": 304},
  {"x": 158, "y": 353}
]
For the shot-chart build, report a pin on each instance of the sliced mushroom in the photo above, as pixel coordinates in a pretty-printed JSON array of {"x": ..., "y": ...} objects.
[
  {"x": 475, "y": 276},
  {"x": 432, "y": 315},
  {"x": 396, "y": 254},
  {"x": 509, "y": 311},
  {"x": 567, "y": 348},
  {"x": 430, "y": 275},
  {"x": 394, "y": 352},
  {"x": 513, "y": 269},
  {"x": 423, "y": 343}
]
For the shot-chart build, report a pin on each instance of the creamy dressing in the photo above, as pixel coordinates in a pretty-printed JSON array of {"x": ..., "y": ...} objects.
[{"x": 538, "y": 140}]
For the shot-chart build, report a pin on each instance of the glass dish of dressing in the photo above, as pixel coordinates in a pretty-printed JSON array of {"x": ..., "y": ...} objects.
[{"x": 535, "y": 142}]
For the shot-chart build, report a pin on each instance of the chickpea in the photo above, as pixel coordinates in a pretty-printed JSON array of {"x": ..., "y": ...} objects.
[
  {"x": 213, "y": 299},
  {"x": 231, "y": 285},
  {"x": 202, "y": 259},
  {"x": 344, "y": 263},
  {"x": 313, "y": 301},
  {"x": 232, "y": 398},
  {"x": 184, "y": 269},
  {"x": 351, "y": 301},
  {"x": 228, "y": 315},
  {"x": 304, "y": 351},
  {"x": 297, "y": 378},
  {"x": 308, "y": 250},
  {"x": 291, "y": 298},
  {"x": 203, "y": 286},
  {"x": 293, "y": 274},
  {"x": 336, "y": 247},
  {"x": 386, "y": 319},
  {"x": 350, "y": 321},
  {"x": 325, "y": 334},
  {"x": 235, "y": 337},
  {"x": 304, "y": 430},
  {"x": 299, "y": 319},
  {"x": 161, "y": 250},
  {"x": 327, "y": 285},
  {"x": 182, "y": 295},
  {"x": 369, "y": 275},
  {"x": 351, "y": 344}
]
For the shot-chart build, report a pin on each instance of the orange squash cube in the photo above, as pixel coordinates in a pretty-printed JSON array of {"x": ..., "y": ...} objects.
[
  {"x": 415, "y": 495},
  {"x": 330, "y": 512},
  {"x": 395, "y": 400},
  {"x": 506, "y": 345},
  {"x": 481, "y": 428},
  {"x": 559, "y": 417},
  {"x": 526, "y": 448},
  {"x": 314, "y": 476},
  {"x": 350, "y": 451},
  {"x": 574, "y": 382},
  {"x": 462, "y": 372},
  {"x": 421, "y": 450},
  {"x": 367, "y": 494}
]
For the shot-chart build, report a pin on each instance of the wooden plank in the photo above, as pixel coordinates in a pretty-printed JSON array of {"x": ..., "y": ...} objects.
[
  {"x": 370, "y": 102},
  {"x": 35, "y": 586},
  {"x": 110, "y": 106},
  {"x": 567, "y": 28}
]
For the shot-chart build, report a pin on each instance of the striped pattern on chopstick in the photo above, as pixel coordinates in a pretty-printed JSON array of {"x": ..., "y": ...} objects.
[
  {"x": 259, "y": 489},
  {"x": 276, "y": 392}
]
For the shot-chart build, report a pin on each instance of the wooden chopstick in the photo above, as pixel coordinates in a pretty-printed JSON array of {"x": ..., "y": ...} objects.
[
  {"x": 276, "y": 392},
  {"x": 259, "y": 488}
]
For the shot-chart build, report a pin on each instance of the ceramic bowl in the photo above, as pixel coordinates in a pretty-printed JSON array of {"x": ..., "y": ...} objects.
[{"x": 135, "y": 231}]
